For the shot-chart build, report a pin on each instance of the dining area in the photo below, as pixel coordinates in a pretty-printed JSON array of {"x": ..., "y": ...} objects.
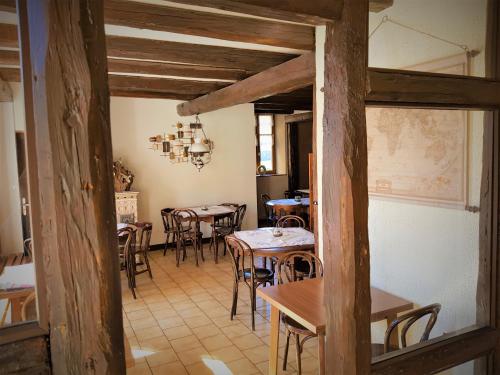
[{"x": 215, "y": 287}]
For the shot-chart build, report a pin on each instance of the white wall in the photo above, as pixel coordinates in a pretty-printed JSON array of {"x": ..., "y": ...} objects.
[
  {"x": 429, "y": 254},
  {"x": 11, "y": 120},
  {"x": 229, "y": 177}
]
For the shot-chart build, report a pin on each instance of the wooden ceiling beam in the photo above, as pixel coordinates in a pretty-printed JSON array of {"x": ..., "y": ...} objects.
[
  {"x": 316, "y": 12},
  {"x": 8, "y": 36},
  {"x": 173, "y": 69},
  {"x": 377, "y": 6},
  {"x": 10, "y": 74},
  {"x": 8, "y": 6},
  {"x": 285, "y": 77},
  {"x": 8, "y": 57},
  {"x": 212, "y": 25},
  {"x": 163, "y": 85},
  {"x": 149, "y": 94},
  {"x": 223, "y": 57}
]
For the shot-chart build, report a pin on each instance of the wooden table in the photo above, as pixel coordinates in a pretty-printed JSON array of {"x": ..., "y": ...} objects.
[
  {"x": 15, "y": 297},
  {"x": 211, "y": 212},
  {"x": 309, "y": 311},
  {"x": 288, "y": 202},
  {"x": 264, "y": 244}
]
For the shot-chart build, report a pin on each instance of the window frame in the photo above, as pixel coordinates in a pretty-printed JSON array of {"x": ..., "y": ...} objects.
[{"x": 257, "y": 142}]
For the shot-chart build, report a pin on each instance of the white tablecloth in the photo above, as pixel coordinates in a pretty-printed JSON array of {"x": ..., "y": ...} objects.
[
  {"x": 17, "y": 277},
  {"x": 263, "y": 238},
  {"x": 288, "y": 202},
  {"x": 212, "y": 210}
]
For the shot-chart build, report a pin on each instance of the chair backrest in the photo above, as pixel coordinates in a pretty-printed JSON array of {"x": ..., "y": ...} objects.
[
  {"x": 409, "y": 319},
  {"x": 145, "y": 229},
  {"x": 287, "y": 209},
  {"x": 299, "y": 265},
  {"x": 291, "y": 221},
  {"x": 168, "y": 220},
  {"x": 239, "y": 251},
  {"x": 185, "y": 218},
  {"x": 28, "y": 247},
  {"x": 239, "y": 215},
  {"x": 264, "y": 198},
  {"x": 127, "y": 237}
]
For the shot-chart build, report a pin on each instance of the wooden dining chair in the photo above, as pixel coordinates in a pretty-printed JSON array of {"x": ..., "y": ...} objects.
[
  {"x": 28, "y": 248},
  {"x": 141, "y": 249},
  {"x": 248, "y": 273},
  {"x": 408, "y": 319},
  {"x": 281, "y": 210},
  {"x": 187, "y": 223},
  {"x": 126, "y": 240},
  {"x": 291, "y": 221},
  {"x": 169, "y": 228},
  {"x": 223, "y": 226},
  {"x": 296, "y": 266},
  {"x": 239, "y": 216},
  {"x": 270, "y": 217}
]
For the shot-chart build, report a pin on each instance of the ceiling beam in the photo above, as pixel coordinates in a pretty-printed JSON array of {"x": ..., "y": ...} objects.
[
  {"x": 8, "y": 57},
  {"x": 173, "y": 69},
  {"x": 149, "y": 94},
  {"x": 377, "y": 6},
  {"x": 212, "y": 25},
  {"x": 10, "y": 74},
  {"x": 316, "y": 12},
  {"x": 222, "y": 57},
  {"x": 8, "y": 35},
  {"x": 163, "y": 85},
  {"x": 285, "y": 77},
  {"x": 8, "y": 6}
]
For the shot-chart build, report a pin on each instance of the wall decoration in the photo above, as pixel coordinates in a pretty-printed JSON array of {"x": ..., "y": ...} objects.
[
  {"x": 123, "y": 178},
  {"x": 420, "y": 154}
]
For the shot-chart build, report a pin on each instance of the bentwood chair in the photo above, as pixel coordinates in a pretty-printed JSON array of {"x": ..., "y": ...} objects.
[
  {"x": 244, "y": 270},
  {"x": 408, "y": 319},
  {"x": 239, "y": 215},
  {"x": 28, "y": 247},
  {"x": 142, "y": 248},
  {"x": 187, "y": 224},
  {"x": 270, "y": 217},
  {"x": 223, "y": 226},
  {"x": 296, "y": 266},
  {"x": 169, "y": 227},
  {"x": 291, "y": 221},
  {"x": 126, "y": 238}
]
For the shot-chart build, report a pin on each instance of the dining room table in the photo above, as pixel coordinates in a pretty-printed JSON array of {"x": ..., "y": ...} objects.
[
  {"x": 288, "y": 202},
  {"x": 309, "y": 311},
  {"x": 264, "y": 243},
  {"x": 208, "y": 214}
]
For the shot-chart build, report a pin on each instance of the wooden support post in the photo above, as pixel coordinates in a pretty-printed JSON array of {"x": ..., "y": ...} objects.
[
  {"x": 345, "y": 194},
  {"x": 74, "y": 228}
]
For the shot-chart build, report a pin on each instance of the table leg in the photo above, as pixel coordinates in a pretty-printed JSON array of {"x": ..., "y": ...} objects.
[
  {"x": 15, "y": 310},
  {"x": 321, "y": 353},
  {"x": 274, "y": 341},
  {"x": 394, "y": 339}
]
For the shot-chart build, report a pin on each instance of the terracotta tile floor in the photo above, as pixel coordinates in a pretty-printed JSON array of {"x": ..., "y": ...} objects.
[{"x": 180, "y": 322}]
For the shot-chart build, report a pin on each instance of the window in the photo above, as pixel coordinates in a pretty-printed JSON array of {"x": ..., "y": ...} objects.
[{"x": 265, "y": 143}]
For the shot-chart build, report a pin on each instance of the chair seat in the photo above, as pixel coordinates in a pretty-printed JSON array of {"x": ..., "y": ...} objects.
[
  {"x": 295, "y": 326},
  {"x": 223, "y": 230},
  {"x": 378, "y": 349},
  {"x": 260, "y": 273}
]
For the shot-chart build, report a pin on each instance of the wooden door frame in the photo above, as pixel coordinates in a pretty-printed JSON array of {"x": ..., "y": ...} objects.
[{"x": 348, "y": 350}]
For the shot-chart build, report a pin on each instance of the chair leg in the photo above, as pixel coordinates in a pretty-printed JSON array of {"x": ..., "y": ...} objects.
[
  {"x": 201, "y": 248},
  {"x": 285, "y": 355},
  {"x": 166, "y": 244},
  {"x": 298, "y": 350},
  {"x": 235, "y": 299},
  {"x": 252, "y": 295},
  {"x": 146, "y": 260},
  {"x": 196, "y": 248},
  {"x": 178, "y": 252},
  {"x": 225, "y": 247},
  {"x": 216, "y": 250}
]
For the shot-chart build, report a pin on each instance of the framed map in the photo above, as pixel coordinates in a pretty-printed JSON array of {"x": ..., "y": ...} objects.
[{"x": 420, "y": 154}]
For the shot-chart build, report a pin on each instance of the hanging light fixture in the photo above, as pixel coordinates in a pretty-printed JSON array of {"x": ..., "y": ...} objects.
[{"x": 185, "y": 144}]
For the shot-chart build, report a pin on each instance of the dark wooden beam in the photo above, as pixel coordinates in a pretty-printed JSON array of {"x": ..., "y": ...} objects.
[
  {"x": 344, "y": 197},
  {"x": 286, "y": 77},
  {"x": 377, "y": 6},
  {"x": 8, "y": 57},
  {"x": 8, "y": 6},
  {"x": 316, "y": 12},
  {"x": 5, "y": 91},
  {"x": 172, "y": 69},
  {"x": 130, "y": 93},
  {"x": 222, "y": 57},
  {"x": 8, "y": 35},
  {"x": 402, "y": 88},
  {"x": 299, "y": 117},
  {"x": 69, "y": 138},
  {"x": 10, "y": 74},
  {"x": 25, "y": 357},
  {"x": 181, "y": 87},
  {"x": 220, "y": 26}
]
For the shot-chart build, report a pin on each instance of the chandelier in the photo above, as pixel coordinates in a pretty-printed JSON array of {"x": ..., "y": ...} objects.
[{"x": 186, "y": 143}]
